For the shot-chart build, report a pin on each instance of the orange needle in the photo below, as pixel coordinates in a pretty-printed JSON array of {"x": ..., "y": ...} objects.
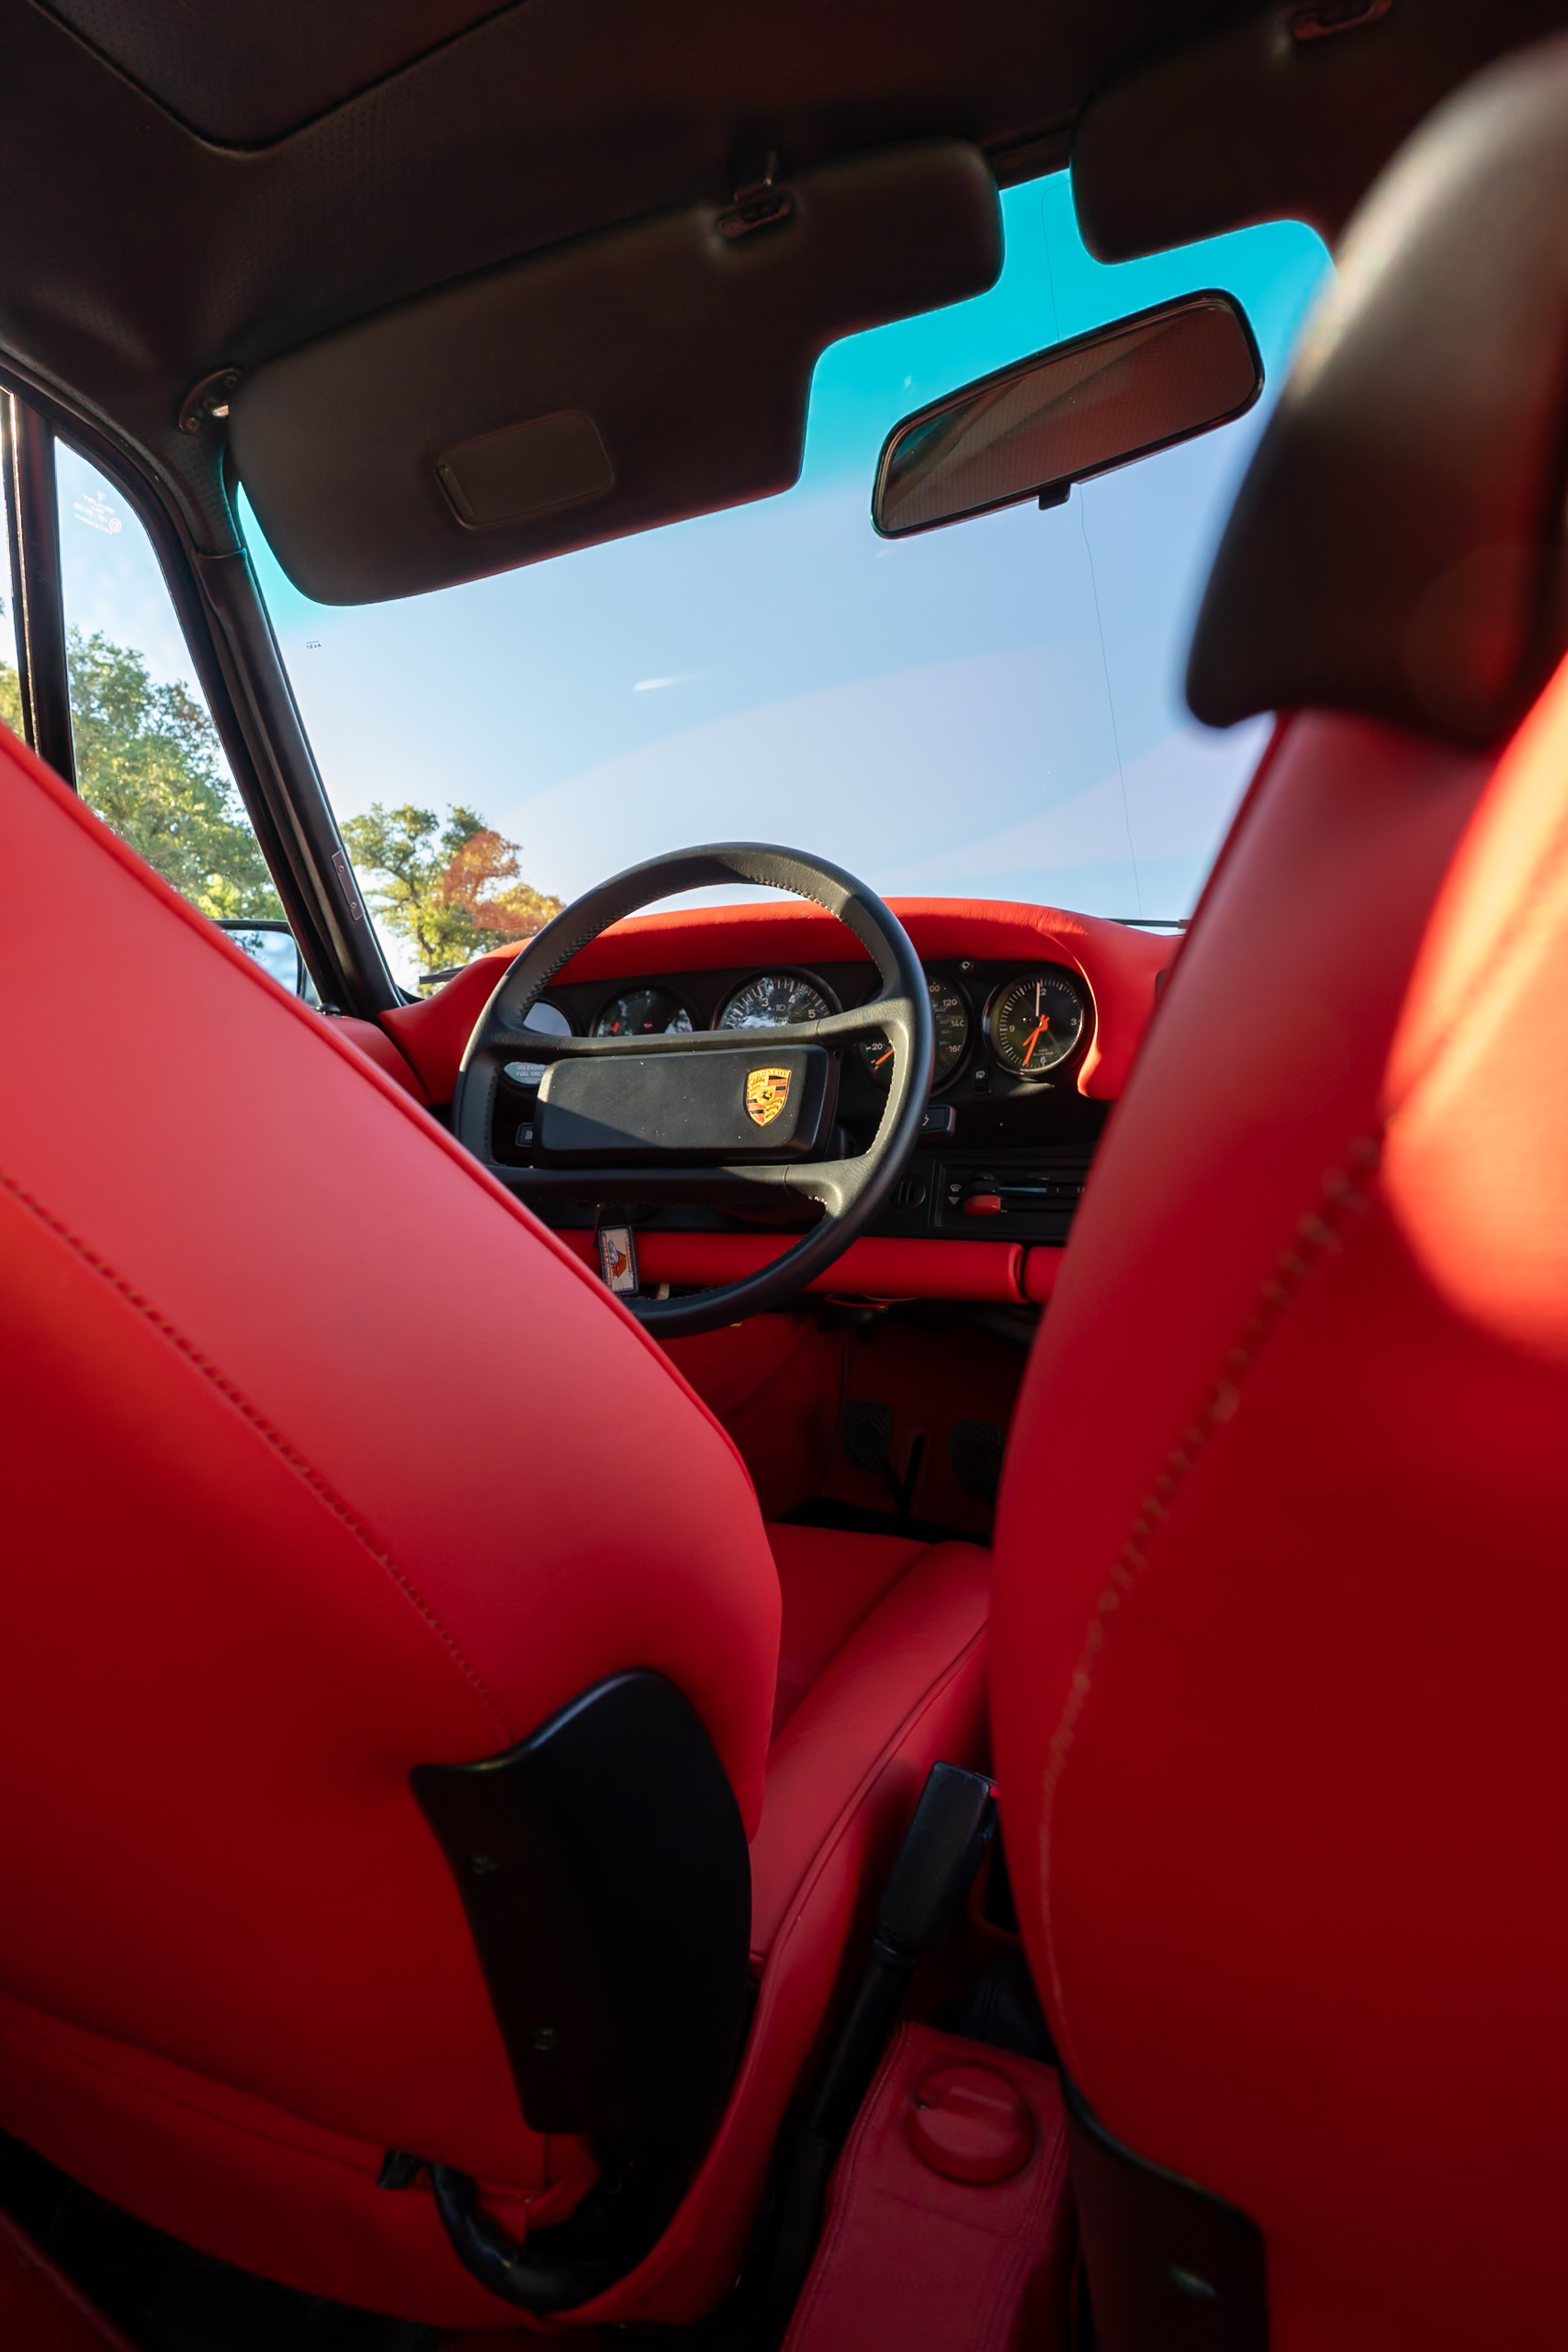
[
  {"x": 1034, "y": 1036},
  {"x": 887, "y": 1055}
]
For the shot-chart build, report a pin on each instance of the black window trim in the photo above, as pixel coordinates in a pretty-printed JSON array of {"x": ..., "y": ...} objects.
[
  {"x": 228, "y": 632},
  {"x": 37, "y": 592}
]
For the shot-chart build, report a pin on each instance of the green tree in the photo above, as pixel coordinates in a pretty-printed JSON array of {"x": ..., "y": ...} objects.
[
  {"x": 148, "y": 762},
  {"x": 451, "y": 890}
]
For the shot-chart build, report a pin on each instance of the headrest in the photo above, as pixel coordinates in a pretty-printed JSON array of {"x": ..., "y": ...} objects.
[{"x": 1397, "y": 546}]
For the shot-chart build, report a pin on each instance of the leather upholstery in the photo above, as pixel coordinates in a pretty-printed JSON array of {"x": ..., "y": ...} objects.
[
  {"x": 320, "y": 1458},
  {"x": 829, "y": 1583},
  {"x": 949, "y": 2260},
  {"x": 381, "y": 1051},
  {"x": 878, "y": 1266},
  {"x": 1278, "y": 1686}
]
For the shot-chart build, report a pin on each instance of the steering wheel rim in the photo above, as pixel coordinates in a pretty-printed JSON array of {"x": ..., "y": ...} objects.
[{"x": 849, "y": 1192}]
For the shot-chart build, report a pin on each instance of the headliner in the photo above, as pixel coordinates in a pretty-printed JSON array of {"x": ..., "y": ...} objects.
[{"x": 183, "y": 190}]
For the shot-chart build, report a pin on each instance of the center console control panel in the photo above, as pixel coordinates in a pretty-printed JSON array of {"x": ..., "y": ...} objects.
[{"x": 1001, "y": 1195}]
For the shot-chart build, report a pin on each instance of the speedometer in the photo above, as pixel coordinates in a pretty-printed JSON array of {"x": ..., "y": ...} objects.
[
  {"x": 950, "y": 1018},
  {"x": 774, "y": 1000}
]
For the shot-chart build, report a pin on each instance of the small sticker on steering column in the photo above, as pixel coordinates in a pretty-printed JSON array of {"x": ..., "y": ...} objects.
[{"x": 617, "y": 1259}]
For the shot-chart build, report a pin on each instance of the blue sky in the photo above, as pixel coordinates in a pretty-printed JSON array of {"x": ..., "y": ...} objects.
[{"x": 991, "y": 711}]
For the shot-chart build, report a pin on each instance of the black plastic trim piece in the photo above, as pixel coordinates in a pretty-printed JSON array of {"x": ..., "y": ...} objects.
[
  {"x": 1170, "y": 2268},
  {"x": 33, "y": 530},
  {"x": 300, "y": 821},
  {"x": 604, "y": 1867}
]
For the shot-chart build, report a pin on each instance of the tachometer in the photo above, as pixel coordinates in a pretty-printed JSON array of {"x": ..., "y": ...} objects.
[
  {"x": 1035, "y": 1021},
  {"x": 951, "y": 1017},
  {"x": 644, "y": 1013},
  {"x": 773, "y": 1000}
]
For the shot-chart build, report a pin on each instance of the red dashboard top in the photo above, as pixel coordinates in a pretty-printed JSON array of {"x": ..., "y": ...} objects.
[{"x": 1120, "y": 967}]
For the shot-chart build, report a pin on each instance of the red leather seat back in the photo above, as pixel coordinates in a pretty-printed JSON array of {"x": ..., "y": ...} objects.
[
  {"x": 1281, "y": 1627},
  {"x": 320, "y": 1460},
  {"x": 1277, "y": 1806}
]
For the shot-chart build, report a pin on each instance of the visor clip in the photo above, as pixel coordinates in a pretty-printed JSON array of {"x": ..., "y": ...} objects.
[
  {"x": 206, "y": 404},
  {"x": 1321, "y": 20},
  {"x": 758, "y": 204}
]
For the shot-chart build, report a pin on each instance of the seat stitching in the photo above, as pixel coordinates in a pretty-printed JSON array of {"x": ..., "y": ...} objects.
[
  {"x": 1320, "y": 1233},
  {"x": 235, "y": 1396}
]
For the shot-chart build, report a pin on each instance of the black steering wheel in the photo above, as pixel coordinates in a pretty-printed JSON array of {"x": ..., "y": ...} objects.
[{"x": 732, "y": 1119}]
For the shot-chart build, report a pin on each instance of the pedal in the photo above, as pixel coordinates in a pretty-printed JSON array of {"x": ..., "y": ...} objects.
[
  {"x": 974, "y": 1449},
  {"x": 867, "y": 1433}
]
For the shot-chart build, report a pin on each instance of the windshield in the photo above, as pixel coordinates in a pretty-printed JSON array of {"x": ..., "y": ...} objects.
[{"x": 991, "y": 711}]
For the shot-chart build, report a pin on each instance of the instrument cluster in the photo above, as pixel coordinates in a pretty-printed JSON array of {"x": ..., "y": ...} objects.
[{"x": 1000, "y": 1029}]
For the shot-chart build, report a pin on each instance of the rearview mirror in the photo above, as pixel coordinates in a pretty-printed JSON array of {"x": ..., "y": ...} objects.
[{"x": 1033, "y": 429}]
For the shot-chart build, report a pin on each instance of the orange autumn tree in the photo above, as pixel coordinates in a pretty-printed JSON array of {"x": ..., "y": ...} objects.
[{"x": 452, "y": 890}]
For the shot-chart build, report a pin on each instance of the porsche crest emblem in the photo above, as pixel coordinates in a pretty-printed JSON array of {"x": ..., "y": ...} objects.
[{"x": 767, "y": 1092}]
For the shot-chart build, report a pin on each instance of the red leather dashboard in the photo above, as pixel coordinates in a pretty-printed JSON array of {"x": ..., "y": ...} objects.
[{"x": 1120, "y": 967}]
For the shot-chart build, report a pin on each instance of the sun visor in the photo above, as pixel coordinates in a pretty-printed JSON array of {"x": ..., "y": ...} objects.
[{"x": 608, "y": 385}]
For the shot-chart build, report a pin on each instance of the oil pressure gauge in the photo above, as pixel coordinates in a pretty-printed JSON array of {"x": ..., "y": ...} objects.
[{"x": 1035, "y": 1021}]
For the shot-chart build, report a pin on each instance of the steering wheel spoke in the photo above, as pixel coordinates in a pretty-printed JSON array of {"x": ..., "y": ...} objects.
[
  {"x": 892, "y": 1012},
  {"x": 754, "y": 1188},
  {"x": 845, "y": 1191}
]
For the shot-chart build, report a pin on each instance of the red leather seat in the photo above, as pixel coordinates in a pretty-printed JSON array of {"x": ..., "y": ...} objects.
[
  {"x": 1279, "y": 1684},
  {"x": 322, "y": 1460}
]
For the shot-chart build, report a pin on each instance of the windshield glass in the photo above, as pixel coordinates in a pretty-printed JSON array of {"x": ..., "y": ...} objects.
[{"x": 990, "y": 711}]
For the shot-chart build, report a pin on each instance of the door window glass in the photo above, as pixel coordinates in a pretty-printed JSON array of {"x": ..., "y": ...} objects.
[{"x": 148, "y": 757}]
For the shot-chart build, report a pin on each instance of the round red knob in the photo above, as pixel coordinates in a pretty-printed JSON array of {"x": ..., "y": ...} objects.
[{"x": 969, "y": 2123}]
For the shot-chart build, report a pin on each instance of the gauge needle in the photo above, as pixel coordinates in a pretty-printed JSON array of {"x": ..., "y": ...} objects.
[
  {"x": 1034, "y": 1037},
  {"x": 887, "y": 1055}
]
